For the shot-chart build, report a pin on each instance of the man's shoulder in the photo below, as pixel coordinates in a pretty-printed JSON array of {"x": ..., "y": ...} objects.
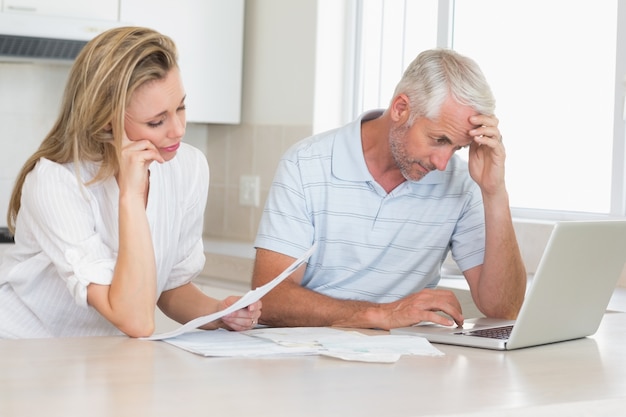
[
  {"x": 316, "y": 146},
  {"x": 321, "y": 144}
]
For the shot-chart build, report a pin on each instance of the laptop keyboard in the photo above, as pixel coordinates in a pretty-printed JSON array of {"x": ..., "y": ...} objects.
[{"x": 494, "y": 333}]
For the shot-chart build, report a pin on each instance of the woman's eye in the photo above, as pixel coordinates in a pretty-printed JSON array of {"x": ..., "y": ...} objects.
[{"x": 155, "y": 124}]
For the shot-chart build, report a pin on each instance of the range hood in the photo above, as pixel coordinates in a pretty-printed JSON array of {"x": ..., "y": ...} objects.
[{"x": 46, "y": 38}]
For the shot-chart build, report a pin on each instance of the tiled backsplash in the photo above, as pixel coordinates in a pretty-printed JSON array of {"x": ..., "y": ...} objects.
[
  {"x": 532, "y": 238},
  {"x": 239, "y": 150}
]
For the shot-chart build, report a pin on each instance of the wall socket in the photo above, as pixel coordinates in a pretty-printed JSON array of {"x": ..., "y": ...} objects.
[{"x": 249, "y": 190}]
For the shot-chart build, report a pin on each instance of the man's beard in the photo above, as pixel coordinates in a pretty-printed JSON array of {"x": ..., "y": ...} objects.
[{"x": 400, "y": 156}]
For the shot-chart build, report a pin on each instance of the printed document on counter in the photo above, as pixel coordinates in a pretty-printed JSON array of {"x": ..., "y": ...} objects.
[
  {"x": 247, "y": 299},
  {"x": 344, "y": 344}
]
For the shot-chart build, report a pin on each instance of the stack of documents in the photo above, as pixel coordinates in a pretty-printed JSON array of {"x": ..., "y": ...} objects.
[
  {"x": 347, "y": 345},
  {"x": 289, "y": 341}
]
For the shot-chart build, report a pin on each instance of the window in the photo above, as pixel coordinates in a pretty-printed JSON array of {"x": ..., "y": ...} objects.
[
  {"x": 552, "y": 67},
  {"x": 390, "y": 34}
]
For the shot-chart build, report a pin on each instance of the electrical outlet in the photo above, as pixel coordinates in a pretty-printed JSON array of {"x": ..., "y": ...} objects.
[{"x": 249, "y": 190}]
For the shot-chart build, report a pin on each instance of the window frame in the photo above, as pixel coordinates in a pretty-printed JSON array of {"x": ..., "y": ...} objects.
[{"x": 445, "y": 25}]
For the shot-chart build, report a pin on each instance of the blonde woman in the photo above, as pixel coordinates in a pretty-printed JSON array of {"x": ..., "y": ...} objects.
[{"x": 107, "y": 214}]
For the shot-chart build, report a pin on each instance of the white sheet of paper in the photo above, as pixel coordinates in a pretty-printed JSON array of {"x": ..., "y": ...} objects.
[
  {"x": 289, "y": 341},
  {"x": 304, "y": 336},
  {"x": 382, "y": 345},
  {"x": 247, "y": 299},
  {"x": 222, "y": 343},
  {"x": 348, "y": 344}
]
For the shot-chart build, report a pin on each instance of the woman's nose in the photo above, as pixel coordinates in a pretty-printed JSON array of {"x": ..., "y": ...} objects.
[{"x": 178, "y": 127}]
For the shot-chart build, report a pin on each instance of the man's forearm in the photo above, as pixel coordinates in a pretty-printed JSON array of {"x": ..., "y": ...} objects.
[
  {"x": 291, "y": 305},
  {"x": 503, "y": 276}
]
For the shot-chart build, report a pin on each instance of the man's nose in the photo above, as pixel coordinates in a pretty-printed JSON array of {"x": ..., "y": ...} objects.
[{"x": 441, "y": 157}]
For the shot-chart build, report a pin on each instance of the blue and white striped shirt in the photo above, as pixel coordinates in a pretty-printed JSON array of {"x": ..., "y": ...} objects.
[{"x": 372, "y": 245}]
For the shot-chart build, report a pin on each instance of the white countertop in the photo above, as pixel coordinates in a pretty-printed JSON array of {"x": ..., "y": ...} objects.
[{"x": 118, "y": 376}]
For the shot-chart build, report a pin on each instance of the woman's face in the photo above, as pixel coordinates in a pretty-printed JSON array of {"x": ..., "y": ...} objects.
[{"x": 156, "y": 112}]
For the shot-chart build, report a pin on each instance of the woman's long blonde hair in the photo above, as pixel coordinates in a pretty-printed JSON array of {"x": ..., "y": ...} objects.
[{"x": 101, "y": 82}]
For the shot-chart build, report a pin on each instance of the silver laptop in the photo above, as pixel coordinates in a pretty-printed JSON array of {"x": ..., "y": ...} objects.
[{"x": 567, "y": 297}]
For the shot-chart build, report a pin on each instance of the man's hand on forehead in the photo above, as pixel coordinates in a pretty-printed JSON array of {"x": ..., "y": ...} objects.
[{"x": 486, "y": 127}]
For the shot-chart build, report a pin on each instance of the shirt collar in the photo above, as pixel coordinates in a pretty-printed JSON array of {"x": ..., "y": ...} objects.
[{"x": 348, "y": 161}]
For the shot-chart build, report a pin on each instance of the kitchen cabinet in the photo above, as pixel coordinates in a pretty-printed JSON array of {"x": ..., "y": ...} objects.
[
  {"x": 209, "y": 37},
  {"x": 99, "y": 10}
]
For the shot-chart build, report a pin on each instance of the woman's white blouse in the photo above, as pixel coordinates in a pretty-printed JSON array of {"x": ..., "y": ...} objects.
[{"x": 67, "y": 237}]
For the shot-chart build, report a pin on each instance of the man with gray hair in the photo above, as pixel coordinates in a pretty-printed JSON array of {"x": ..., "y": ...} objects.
[{"x": 386, "y": 199}]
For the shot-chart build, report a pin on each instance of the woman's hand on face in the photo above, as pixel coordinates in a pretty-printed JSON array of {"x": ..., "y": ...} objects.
[
  {"x": 136, "y": 157},
  {"x": 242, "y": 319}
]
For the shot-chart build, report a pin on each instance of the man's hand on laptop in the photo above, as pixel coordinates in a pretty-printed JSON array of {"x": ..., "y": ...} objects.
[{"x": 423, "y": 306}]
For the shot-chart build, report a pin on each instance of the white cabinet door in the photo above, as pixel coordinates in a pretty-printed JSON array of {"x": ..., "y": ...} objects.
[
  {"x": 209, "y": 37},
  {"x": 98, "y": 10}
]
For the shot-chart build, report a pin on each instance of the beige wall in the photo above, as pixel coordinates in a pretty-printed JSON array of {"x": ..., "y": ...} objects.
[
  {"x": 277, "y": 110},
  {"x": 234, "y": 151}
]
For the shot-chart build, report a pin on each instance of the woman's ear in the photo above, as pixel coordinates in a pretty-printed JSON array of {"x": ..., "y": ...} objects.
[{"x": 106, "y": 134}]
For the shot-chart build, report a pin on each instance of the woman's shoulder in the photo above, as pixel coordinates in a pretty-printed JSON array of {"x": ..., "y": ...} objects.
[
  {"x": 47, "y": 173},
  {"x": 51, "y": 182},
  {"x": 46, "y": 170}
]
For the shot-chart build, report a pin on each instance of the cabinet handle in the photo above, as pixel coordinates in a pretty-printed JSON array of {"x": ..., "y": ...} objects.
[{"x": 22, "y": 8}]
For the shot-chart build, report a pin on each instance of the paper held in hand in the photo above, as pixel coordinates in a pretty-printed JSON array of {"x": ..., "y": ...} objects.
[{"x": 247, "y": 299}]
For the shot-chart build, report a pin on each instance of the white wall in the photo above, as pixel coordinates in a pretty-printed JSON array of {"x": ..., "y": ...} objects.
[
  {"x": 279, "y": 62},
  {"x": 29, "y": 98},
  {"x": 296, "y": 59}
]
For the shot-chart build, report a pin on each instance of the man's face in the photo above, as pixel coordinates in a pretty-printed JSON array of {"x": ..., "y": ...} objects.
[{"x": 429, "y": 144}]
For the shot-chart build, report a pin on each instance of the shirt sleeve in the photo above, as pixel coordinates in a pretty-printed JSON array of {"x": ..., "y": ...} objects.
[
  {"x": 60, "y": 215},
  {"x": 468, "y": 240},
  {"x": 286, "y": 225}
]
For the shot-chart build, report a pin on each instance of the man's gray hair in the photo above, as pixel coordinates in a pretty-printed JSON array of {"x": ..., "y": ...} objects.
[{"x": 439, "y": 73}]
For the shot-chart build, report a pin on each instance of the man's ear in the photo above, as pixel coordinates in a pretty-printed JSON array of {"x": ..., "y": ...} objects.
[{"x": 400, "y": 109}]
